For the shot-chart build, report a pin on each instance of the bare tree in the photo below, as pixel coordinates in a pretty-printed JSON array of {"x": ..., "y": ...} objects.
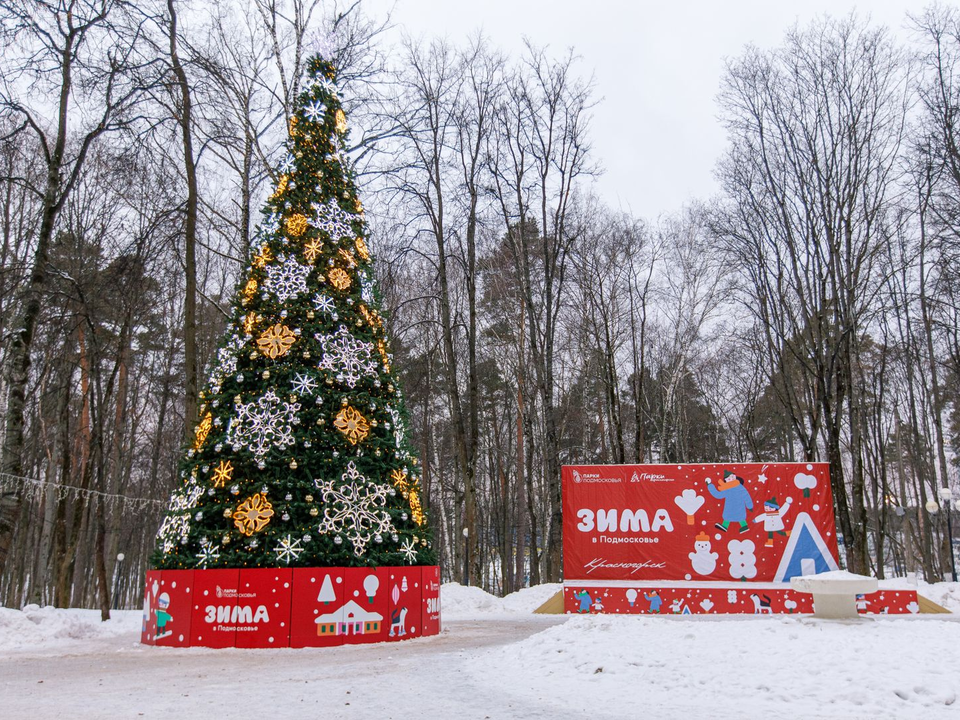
[
  {"x": 72, "y": 56},
  {"x": 816, "y": 129}
]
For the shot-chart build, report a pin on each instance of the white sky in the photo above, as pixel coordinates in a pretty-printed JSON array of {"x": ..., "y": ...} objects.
[{"x": 657, "y": 67}]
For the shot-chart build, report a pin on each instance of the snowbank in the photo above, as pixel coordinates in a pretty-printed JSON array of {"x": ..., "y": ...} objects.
[
  {"x": 35, "y": 626},
  {"x": 460, "y": 602},
  {"x": 944, "y": 593},
  {"x": 737, "y": 666}
]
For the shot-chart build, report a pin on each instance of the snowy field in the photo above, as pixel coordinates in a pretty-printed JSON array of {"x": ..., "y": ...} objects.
[{"x": 496, "y": 660}]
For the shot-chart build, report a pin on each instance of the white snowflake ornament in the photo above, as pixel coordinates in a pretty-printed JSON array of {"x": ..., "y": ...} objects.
[
  {"x": 287, "y": 278},
  {"x": 346, "y": 356},
  {"x": 355, "y": 509},
  {"x": 263, "y": 424},
  {"x": 288, "y": 549}
]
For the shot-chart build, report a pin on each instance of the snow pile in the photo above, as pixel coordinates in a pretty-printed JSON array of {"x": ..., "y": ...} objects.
[
  {"x": 36, "y": 626},
  {"x": 946, "y": 594},
  {"x": 735, "y": 666},
  {"x": 460, "y": 602}
]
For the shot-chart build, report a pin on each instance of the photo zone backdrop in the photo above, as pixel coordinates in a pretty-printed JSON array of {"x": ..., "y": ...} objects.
[{"x": 715, "y": 522}]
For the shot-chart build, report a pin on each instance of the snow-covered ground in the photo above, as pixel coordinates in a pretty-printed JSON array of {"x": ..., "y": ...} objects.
[{"x": 496, "y": 660}]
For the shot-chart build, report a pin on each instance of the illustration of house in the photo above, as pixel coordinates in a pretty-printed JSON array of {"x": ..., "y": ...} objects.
[
  {"x": 350, "y": 619},
  {"x": 806, "y": 552}
]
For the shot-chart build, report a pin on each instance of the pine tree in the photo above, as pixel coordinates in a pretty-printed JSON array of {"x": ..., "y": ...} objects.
[{"x": 301, "y": 456}]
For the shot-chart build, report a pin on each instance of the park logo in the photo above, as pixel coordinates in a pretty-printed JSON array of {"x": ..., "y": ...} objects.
[
  {"x": 232, "y": 593},
  {"x": 649, "y": 477},
  {"x": 593, "y": 477}
]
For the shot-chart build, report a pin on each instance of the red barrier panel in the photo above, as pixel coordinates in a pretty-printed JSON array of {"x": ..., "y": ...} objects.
[
  {"x": 317, "y": 607},
  {"x": 215, "y": 608},
  {"x": 301, "y": 607},
  {"x": 405, "y": 598},
  {"x": 263, "y": 602},
  {"x": 692, "y": 599},
  {"x": 167, "y": 608},
  {"x": 430, "y": 585},
  {"x": 366, "y": 608},
  {"x": 151, "y": 591}
]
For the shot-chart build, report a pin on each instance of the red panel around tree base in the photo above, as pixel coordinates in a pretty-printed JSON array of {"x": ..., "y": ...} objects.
[
  {"x": 700, "y": 599},
  {"x": 151, "y": 591},
  {"x": 430, "y": 586},
  {"x": 167, "y": 610},
  {"x": 215, "y": 608},
  {"x": 283, "y": 607},
  {"x": 318, "y": 598},
  {"x": 403, "y": 590},
  {"x": 263, "y": 603},
  {"x": 366, "y": 608}
]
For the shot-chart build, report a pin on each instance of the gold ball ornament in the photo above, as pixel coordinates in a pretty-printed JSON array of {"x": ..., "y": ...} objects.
[{"x": 314, "y": 512}]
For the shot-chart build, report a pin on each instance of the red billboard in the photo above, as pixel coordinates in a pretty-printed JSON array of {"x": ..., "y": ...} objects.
[{"x": 715, "y": 522}]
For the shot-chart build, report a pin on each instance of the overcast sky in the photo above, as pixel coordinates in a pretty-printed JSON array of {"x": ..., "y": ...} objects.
[{"x": 657, "y": 67}]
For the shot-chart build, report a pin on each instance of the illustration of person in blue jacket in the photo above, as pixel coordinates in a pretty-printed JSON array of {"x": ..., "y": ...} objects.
[
  {"x": 655, "y": 601},
  {"x": 585, "y": 601},
  {"x": 736, "y": 500}
]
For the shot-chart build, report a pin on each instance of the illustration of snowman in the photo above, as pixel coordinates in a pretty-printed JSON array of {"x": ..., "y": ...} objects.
[{"x": 704, "y": 562}]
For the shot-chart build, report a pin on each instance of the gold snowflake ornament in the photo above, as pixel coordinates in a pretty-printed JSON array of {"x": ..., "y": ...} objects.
[
  {"x": 362, "y": 250},
  {"x": 203, "y": 429},
  {"x": 276, "y": 341},
  {"x": 352, "y": 424},
  {"x": 222, "y": 473},
  {"x": 253, "y": 514},
  {"x": 312, "y": 249},
  {"x": 297, "y": 225},
  {"x": 399, "y": 479},
  {"x": 281, "y": 187},
  {"x": 339, "y": 278},
  {"x": 263, "y": 257},
  {"x": 416, "y": 511}
]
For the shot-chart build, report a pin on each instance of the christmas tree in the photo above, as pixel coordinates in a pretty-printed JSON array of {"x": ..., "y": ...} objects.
[{"x": 300, "y": 456}]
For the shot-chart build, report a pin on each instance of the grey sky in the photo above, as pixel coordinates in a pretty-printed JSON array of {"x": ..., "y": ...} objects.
[{"x": 657, "y": 68}]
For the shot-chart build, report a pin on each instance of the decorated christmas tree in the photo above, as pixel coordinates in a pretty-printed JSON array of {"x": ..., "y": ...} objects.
[{"x": 301, "y": 456}]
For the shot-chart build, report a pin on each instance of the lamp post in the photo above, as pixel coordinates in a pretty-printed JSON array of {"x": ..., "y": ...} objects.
[
  {"x": 947, "y": 495},
  {"x": 116, "y": 580},
  {"x": 899, "y": 513},
  {"x": 466, "y": 556}
]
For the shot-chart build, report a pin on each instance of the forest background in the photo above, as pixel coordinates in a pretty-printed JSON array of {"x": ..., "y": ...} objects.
[{"x": 808, "y": 310}]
